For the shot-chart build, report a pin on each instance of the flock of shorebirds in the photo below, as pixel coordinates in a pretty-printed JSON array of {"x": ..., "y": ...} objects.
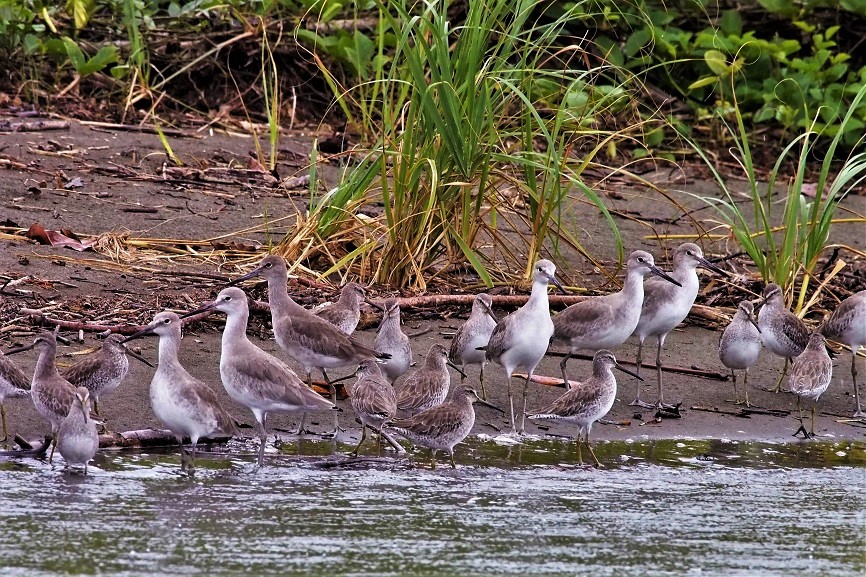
[{"x": 419, "y": 408}]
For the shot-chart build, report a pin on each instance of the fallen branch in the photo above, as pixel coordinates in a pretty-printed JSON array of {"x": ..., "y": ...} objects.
[
  {"x": 744, "y": 413},
  {"x": 704, "y": 374},
  {"x": 149, "y": 438},
  {"x": 32, "y": 125},
  {"x": 138, "y": 128}
]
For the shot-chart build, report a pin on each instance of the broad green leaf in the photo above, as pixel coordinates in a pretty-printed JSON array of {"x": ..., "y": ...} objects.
[
  {"x": 701, "y": 82},
  {"x": 717, "y": 62}
]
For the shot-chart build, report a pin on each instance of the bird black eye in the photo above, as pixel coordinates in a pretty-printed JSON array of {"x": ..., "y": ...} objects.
[
  {"x": 269, "y": 265},
  {"x": 640, "y": 259},
  {"x": 166, "y": 322},
  {"x": 690, "y": 253},
  {"x": 227, "y": 298}
]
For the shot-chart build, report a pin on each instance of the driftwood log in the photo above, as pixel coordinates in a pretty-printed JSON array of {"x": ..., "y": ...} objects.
[{"x": 144, "y": 438}]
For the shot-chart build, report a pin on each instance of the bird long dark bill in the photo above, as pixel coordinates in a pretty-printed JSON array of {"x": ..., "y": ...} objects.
[
  {"x": 660, "y": 273},
  {"x": 148, "y": 330},
  {"x": 628, "y": 372},
  {"x": 135, "y": 355},
  {"x": 21, "y": 349},
  {"x": 253, "y": 273},
  {"x": 456, "y": 368},
  {"x": 710, "y": 266}
]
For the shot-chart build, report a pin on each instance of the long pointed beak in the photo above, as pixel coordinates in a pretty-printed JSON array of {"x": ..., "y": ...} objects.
[
  {"x": 708, "y": 265},
  {"x": 489, "y": 312},
  {"x": 659, "y": 272},
  {"x": 148, "y": 330},
  {"x": 755, "y": 323},
  {"x": 242, "y": 278},
  {"x": 628, "y": 372},
  {"x": 135, "y": 355},
  {"x": 375, "y": 305},
  {"x": 456, "y": 368},
  {"x": 491, "y": 405},
  {"x": 205, "y": 307},
  {"x": 556, "y": 282},
  {"x": 85, "y": 409},
  {"x": 17, "y": 350}
]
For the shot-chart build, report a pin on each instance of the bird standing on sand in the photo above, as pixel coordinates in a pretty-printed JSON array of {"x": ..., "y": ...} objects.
[
  {"x": 77, "y": 439},
  {"x": 251, "y": 376},
  {"x": 346, "y": 312},
  {"x": 847, "y": 325},
  {"x": 391, "y": 340},
  {"x": 665, "y": 305},
  {"x": 185, "y": 405},
  {"x": 782, "y": 332},
  {"x": 740, "y": 346},
  {"x": 14, "y": 384},
  {"x": 587, "y": 401},
  {"x": 605, "y": 322},
  {"x": 811, "y": 373},
  {"x": 311, "y": 341},
  {"x": 52, "y": 394},
  {"x": 521, "y": 339},
  {"x": 443, "y": 426},
  {"x": 471, "y": 338}
]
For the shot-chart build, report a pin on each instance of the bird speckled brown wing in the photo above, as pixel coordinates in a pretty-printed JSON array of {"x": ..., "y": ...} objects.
[
  {"x": 13, "y": 374},
  {"x": 566, "y": 405},
  {"x": 78, "y": 374},
  {"x": 437, "y": 421},
  {"x": 199, "y": 395},
  {"x": 375, "y": 397}
]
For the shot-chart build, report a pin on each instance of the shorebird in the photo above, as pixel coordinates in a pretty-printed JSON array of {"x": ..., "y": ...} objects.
[
  {"x": 311, "y": 341},
  {"x": 605, "y": 322},
  {"x": 77, "y": 439},
  {"x": 782, "y": 332},
  {"x": 521, "y": 339},
  {"x": 847, "y": 325},
  {"x": 427, "y": 386},
  {"x": 665, "y": 305},
  {"x": 470, "y": 339},
  {"x": 52, "y": 394},
  {"x": 254, "y": 378},
  {"x": 185, "y": 405},
  {"x": 391, "y": 339},
  {"x": 443, "y": 426},
  {"x": 740, "y": 345},
  {"x": 346, "y": 312},
  {"x": 104, "y": 372},
  {"x": 587, "y": 401},
  {"x": 811, "y": 373},
  {"x": 374, "y": 402},
  {"x": 14, "y": 384}
]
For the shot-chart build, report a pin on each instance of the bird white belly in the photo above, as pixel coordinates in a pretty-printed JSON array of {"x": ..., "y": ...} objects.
[
  {"x": 471, "y": 355},
  {"x": 78, "y": 449},
  {"x": 175, "y": 416},
  {"x": 740, "y": 354}
]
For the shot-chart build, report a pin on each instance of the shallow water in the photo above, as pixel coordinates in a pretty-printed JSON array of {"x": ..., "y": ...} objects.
[{"x": 659, "y": 508}]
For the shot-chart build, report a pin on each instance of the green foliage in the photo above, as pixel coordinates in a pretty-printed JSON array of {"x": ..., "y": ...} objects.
[
  {"x": 786, "y": 249},
  {"x": 461, "y": 114}
]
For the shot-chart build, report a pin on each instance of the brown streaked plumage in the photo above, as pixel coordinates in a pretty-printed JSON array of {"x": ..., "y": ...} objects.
[
  {"x": 467, "y": 346},
  {"x": 588, "y": 401},
  {"x": 14, "y": 384},
  {"x": 427, "y": 386},
  {"x": 443, "y": 426},
  {"x": 346, "y": 312},
  {"x": 391, "y": 339},
  {"x": 811, "y": 373},
  {"x": 782, "y": 332},
  {"x": 740, "y": 345},
  {"x": 254, "y": 378},
  {"x": 313, "y": 342},
  {"x": 52, "y": 394},
  {"x": 374, "y": 401},
  {"x": 186, "y": 406},
  {"x": 100, "y": 373},
  {"x": 847, "y": 325}
]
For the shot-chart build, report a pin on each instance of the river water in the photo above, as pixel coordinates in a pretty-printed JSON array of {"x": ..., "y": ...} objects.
[{"x": 658, "y": 508}]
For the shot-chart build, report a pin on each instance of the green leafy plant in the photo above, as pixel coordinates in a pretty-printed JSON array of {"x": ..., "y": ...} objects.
[{"x": 786, "y": 248}]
